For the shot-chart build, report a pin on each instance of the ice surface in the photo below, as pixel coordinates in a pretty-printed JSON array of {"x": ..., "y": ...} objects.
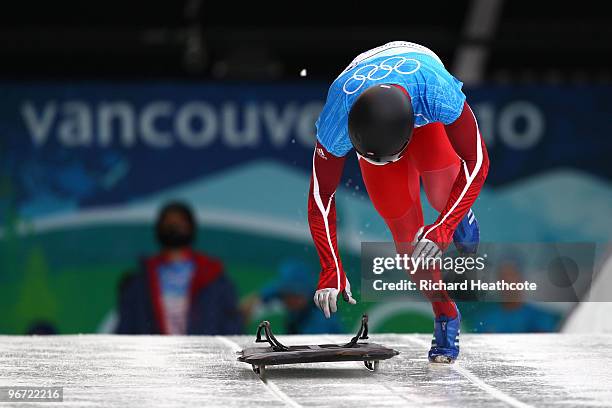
[{"x": 152, "y": 371}]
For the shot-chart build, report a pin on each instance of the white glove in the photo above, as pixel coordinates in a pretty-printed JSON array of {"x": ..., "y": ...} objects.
[
  {"x": 326, "y": 299},
  {"x": 425, "y": 248}
]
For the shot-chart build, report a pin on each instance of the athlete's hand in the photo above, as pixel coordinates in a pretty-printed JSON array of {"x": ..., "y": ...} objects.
[
  {"x": 326, "y": 299},
  {"x": 433, "y": 243}
]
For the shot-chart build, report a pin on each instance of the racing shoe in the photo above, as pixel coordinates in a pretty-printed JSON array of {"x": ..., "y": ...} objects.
[
  {"x": 445, "y": 342},
  {"x": 467, "y": 235}
]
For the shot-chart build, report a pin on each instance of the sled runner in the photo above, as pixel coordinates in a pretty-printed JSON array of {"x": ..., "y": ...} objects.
[{"x": 277, "y": 353}]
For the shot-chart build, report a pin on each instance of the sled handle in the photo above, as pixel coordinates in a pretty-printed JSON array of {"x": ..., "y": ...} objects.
[
  {"x": 270, "y": 339},
  {"x": 362, "y": 334}
]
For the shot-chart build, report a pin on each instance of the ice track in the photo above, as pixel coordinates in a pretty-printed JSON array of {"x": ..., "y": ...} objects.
[{"x": 533, "y": 370}]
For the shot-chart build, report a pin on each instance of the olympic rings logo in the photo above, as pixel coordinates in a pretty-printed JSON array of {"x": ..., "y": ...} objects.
[{"x": 373, "y": 72}]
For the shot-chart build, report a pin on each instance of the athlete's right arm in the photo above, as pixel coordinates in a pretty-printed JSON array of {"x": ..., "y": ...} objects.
[{"x": 326, "y": 173}]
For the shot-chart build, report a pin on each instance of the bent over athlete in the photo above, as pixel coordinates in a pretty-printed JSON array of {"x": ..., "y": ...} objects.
[{"x": 408, "y": 120}]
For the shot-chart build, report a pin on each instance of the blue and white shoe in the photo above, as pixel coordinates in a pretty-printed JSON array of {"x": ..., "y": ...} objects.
[
  {"x": 467, "y": 235},
  {"x": 445, "y": 342}
]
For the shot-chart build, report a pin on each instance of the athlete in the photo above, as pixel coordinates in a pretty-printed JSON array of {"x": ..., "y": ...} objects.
[{"x": 408, "y": 120}]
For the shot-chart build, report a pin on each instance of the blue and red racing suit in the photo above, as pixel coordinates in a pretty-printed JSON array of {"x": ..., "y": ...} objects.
[{"x": 446, "y": 153}]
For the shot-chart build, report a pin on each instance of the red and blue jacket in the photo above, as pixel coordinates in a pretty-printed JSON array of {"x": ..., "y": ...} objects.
[{"x": 212, "y": 300}]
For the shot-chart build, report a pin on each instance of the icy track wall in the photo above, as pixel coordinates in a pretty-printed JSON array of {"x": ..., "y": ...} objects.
[{"x": 85, "y": 167}]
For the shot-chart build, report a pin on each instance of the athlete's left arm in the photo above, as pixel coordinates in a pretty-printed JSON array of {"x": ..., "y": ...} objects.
[{"x": 465, "y": 138}]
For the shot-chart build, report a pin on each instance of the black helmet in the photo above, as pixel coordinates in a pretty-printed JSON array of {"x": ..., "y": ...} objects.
[{"x": 380, "y": 123}]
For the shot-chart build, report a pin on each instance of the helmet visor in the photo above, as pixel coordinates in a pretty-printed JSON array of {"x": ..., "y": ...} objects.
[{"x": 385, "y": 159}]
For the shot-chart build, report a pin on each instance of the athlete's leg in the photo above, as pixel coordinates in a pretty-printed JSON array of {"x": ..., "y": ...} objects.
[
  {"x": 438, "y": 164},
  {"x": 394, "y": 191},
  {"x": 436, "y": 161}
]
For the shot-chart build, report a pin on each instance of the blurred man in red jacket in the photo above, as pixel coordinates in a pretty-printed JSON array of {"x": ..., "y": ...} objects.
[{"x": 179, "y": 290}]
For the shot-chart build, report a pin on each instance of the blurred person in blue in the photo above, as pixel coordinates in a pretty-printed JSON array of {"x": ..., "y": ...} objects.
[
  {"x": 178, "y": 290},
  {"x": 513, "y": 314},
  {"x": 293, "y": 287}
]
